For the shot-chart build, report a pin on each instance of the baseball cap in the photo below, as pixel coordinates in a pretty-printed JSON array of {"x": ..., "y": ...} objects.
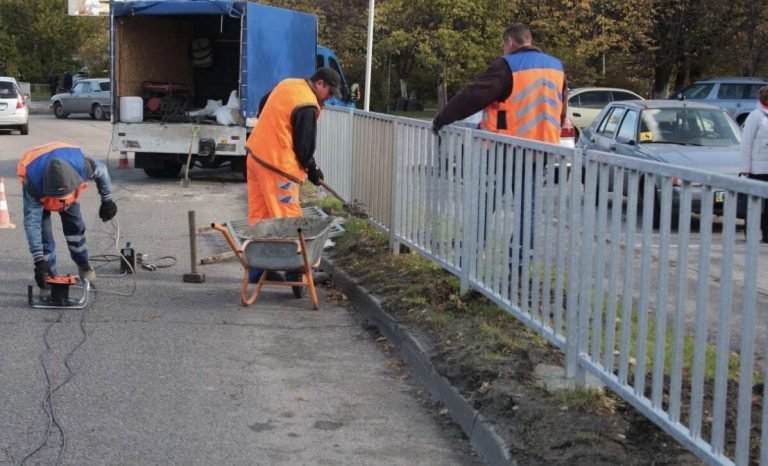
[{"x": 331, "y": 77}]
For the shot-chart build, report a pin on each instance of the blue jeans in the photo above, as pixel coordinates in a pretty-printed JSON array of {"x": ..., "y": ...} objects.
[{"x": 74, "y": 231}]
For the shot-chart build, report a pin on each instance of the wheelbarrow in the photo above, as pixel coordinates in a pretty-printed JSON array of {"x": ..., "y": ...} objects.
[{"x": 280, "y": 244}]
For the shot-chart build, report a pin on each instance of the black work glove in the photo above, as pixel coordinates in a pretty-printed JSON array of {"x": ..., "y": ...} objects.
[
  {"x": 107, "y": 210},
  {"x": 42, "y": 271},
  {"x": 436, "y": 126},
  {"x": 315, "y": 175}
]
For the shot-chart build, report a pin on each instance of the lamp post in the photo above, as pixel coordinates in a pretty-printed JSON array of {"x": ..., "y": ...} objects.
[{"x": 369, "y": 57}]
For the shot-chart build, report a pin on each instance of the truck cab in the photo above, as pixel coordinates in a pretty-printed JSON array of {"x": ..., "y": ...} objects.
[{"x": 350, "y": 95}]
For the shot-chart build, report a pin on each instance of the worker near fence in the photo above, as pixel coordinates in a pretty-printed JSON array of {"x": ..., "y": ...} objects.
[
  {"x": 281, "y": 147},
  {"x": 522, "y": 94},
  {"x": 53, "y": 176}
]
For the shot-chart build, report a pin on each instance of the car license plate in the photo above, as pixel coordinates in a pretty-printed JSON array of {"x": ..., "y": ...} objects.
[
  {"x": 719, "y": 197},
  {"x": 3, "y": 105}
]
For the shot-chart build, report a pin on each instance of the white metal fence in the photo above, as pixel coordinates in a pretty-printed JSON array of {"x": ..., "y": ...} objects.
[{"x": 637, "y": 270}]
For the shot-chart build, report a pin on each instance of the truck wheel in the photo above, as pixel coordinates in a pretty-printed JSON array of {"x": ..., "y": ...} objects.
[
  {"x": 58, "y": 111},
  {"x": 240, "y": 165},
  {"x": 170, "y": 170}
]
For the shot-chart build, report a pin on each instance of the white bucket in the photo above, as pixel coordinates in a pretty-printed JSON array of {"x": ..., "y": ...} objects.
[{"x": 131, "y": 109}]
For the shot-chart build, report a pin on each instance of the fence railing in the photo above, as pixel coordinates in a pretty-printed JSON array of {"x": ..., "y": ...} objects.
[{"x": 635, "y": 269}]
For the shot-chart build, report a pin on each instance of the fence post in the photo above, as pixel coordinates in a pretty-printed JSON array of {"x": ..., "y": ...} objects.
[
  {"x": 572, "y": 368},
  {"x": 397, "y": 195},
  {"x": 468, "y": 236}
]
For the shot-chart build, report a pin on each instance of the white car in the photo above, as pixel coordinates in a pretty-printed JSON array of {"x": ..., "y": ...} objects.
[
  {"x": 14, "y": 111},
  {"x": 585, "y": 103}
]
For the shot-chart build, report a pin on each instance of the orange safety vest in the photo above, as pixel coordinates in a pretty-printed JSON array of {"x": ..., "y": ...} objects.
[
  {"x": 272, "y": 138},
  {"x": 60, "y": 150},
  {"x": 534, "y": 107}
]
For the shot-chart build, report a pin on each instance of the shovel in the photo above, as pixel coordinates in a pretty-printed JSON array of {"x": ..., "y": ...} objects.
[{"x": 355, "y": 209}]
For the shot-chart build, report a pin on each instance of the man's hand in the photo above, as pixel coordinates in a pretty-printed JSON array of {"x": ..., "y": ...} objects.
[
  {"x": 42, "y": 271},
  {"x": 107, "y": 211},
  {"x": 436, "y": 126},
  {"x": 315, "y": 175}
]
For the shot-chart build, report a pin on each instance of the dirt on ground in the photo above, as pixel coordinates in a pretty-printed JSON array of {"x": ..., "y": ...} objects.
[{"x": 491, "y": 357}]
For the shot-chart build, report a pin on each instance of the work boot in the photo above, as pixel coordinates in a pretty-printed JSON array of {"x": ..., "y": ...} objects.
[{"x": 86, "y": 272}]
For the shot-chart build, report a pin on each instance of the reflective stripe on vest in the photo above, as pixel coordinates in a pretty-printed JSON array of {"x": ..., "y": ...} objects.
[
  {"x": 272, "y": 138},
  {"x": 534, "y": 106}
]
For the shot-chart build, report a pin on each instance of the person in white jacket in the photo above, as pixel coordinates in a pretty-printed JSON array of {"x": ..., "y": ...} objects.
[{"x": 754, "y": 149}]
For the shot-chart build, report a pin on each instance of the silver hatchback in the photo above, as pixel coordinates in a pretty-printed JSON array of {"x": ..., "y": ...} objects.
[
  {"x": 91, "y": 96},
  {"x": 737, "y": 95}
]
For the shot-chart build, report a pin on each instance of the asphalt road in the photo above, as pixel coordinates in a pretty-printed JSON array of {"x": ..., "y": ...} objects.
[{"x": 180, "y": 373}]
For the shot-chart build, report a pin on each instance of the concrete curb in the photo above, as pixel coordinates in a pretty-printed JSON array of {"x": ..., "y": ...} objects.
[{"x": 482, "y": 435}]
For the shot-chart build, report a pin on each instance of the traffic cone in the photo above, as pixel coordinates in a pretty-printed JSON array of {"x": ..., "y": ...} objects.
[
  {"x": 5, "y": 217},
  {"x": 123, "y": 162}
]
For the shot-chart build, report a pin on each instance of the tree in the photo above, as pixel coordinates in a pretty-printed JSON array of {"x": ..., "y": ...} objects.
[{"x": 49, "y": 39}]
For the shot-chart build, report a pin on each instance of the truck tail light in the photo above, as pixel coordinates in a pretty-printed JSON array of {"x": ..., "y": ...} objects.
[{"x": 20, "y": 103}]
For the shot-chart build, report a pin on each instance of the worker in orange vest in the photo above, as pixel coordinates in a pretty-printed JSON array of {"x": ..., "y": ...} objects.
[
  {"x": 523, "y": 93},
  {"x": 281, "y": 147},
  {"x": 53, "y": 176}
]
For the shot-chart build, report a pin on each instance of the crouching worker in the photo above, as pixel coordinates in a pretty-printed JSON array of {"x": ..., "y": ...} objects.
[
  {"x": 53, "y": 176},
  {"x": 281, "y": 147}
]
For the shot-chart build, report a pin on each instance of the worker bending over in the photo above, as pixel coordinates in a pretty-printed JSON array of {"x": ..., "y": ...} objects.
[{"x": 53, "y": 176}]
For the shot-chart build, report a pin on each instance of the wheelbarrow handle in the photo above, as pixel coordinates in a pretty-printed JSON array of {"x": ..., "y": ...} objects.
[{"x": 231, "y": 242}]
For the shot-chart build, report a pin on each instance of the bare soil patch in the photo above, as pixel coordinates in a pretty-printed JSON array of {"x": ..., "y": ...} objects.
[{"x": 490, "y": 357}]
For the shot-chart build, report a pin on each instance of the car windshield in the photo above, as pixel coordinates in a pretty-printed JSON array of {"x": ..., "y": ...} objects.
[
  {"x": 7, "y": 90},
  {"x": 688, "y": 126}
]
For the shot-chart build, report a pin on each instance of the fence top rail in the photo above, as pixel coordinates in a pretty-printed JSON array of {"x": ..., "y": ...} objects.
[
  {"x": 362, "y": 113},
  {"x": 729, "y": 182}
]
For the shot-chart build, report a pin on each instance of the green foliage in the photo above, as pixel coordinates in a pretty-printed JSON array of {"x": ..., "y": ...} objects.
[
  {"x": 644, "y": 45},
  {"x": 37, "y": 37}
]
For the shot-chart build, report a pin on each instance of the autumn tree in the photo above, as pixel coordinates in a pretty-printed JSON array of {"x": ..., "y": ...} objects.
[{"x": 39, "y": 37}]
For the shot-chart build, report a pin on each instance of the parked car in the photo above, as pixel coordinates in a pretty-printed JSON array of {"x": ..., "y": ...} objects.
[
  {"x": 684, "y": 133},
  {"x": 14, "y": 111},
  {"x": 737, "y": 95},
  {"x": 585, "y": 103},
  {"x": 91, "y": 96}
]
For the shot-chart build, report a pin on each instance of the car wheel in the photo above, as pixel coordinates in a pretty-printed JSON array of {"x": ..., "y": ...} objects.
[
  {"x": 24, "y": 129},
  {"x": 98, "y": 112},
  {"x": 58, "y": 111}
]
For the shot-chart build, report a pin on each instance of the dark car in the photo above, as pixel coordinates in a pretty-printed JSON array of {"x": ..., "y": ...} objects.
[{"x": 684, "y": 133}]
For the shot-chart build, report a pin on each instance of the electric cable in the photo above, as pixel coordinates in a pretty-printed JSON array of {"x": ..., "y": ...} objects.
[
  {"x": 48, "y": 405},
  {"x": 107, "y": 257}
]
